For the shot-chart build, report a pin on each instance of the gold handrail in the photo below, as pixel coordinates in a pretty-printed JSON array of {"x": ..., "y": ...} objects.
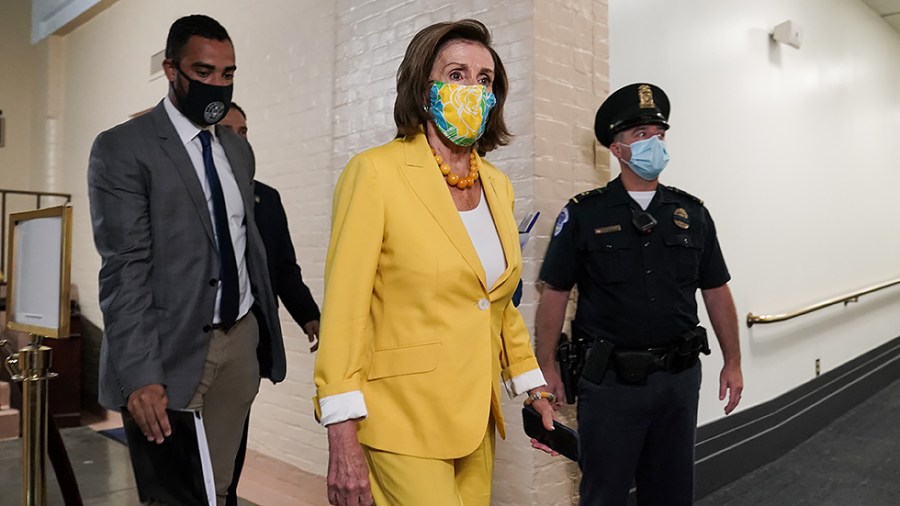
[{"x": 850, "y": 297}]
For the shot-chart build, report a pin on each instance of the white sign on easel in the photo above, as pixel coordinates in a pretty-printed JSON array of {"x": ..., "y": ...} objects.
[{"x": 40, "y": 253}]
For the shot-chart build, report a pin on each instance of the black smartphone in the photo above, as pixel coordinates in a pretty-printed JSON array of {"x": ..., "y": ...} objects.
[{"x": 563, "y": 440}]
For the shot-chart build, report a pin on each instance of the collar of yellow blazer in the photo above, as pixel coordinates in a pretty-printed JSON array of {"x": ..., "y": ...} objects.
[{"x": 432, "y": 192}]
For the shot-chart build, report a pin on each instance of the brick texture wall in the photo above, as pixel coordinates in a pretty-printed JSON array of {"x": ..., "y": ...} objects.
[
  {"x": 288, "y": 58},
  {"x": 571, "y": 69}
]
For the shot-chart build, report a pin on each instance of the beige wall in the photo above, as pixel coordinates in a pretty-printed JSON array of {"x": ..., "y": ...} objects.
[
  {"x": 317, "y": 82},
  {"x": 18, "y": 66}
]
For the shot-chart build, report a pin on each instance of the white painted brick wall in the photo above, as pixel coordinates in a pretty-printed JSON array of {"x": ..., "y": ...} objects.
[
  {"x": 288, "y": 55},
  {"x": 571, "y": 75}
]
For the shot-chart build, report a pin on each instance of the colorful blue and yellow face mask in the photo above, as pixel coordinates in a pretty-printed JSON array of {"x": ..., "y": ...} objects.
[{"x": 460, "y": 112}]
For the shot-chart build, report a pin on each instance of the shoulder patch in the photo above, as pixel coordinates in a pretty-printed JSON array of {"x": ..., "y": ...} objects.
[
  {"x": 561, "y": 221},
  {"x": 685, "y": 194},
  {"x": 581, "y": 197}
]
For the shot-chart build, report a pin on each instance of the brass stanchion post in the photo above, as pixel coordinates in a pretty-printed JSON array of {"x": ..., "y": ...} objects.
[{"x": 32, "y": 367}]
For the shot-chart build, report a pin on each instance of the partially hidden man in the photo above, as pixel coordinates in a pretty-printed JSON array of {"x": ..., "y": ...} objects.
[
  {"x": 189, "y": 315},
  {"x": 637, "y": 251}
]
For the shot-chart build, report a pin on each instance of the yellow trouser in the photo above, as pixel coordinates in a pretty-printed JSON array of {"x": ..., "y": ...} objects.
[{"x": 401, "y": 480}]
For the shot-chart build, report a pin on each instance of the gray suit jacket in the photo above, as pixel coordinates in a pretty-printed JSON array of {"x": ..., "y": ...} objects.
[{"x": 154, "y": 233}]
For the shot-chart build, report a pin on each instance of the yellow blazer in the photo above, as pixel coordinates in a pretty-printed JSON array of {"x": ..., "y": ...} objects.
[{"x": 408, "y": 319}]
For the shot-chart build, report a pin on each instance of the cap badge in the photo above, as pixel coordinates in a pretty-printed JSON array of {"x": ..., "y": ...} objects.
[
  {"x": 645, "y": 94},
  {"x": 680, "y": 217}
]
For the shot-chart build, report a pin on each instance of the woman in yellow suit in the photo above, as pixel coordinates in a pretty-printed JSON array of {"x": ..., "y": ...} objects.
[{"x": 418, "y": 326}]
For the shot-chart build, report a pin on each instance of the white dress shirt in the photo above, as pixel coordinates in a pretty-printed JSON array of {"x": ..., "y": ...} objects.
[{"x": 234, "y": 203}]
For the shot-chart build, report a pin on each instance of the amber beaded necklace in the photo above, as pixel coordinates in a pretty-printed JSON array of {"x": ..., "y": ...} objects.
[{"x": 454, "y": 180}]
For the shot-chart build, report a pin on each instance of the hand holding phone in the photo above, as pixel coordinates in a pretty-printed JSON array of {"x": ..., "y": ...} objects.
[{"x": 563, "y": 439}]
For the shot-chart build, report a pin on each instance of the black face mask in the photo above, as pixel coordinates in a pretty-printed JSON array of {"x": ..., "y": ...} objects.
[{"x": 205, "y": 104}]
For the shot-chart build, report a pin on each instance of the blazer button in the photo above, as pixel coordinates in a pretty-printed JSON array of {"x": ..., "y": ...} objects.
[
  {"x": 484, "y": 304},
  {"x": 213, "y": 282},
  {"x": 207, "y": 328}
]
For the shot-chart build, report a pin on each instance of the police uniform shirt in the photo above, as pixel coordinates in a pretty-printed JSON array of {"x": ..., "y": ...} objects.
[{"x": 634, "y": 289}]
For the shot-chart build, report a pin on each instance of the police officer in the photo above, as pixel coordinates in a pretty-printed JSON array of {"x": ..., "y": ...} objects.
[{"x": 637, "y": 251}]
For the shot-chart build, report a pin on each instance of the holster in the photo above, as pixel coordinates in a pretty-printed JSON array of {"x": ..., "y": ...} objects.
[
  {"x": 684, "y": 355},
  {"x": 570, "y": 356}
]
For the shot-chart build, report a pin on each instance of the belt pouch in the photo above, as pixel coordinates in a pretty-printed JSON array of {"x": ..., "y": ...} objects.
[
  {"x": 633, "y": 367},
  {"x": 597, "y": 361}
]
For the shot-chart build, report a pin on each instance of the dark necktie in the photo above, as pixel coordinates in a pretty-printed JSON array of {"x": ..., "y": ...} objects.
[{"x": 228, "y": 305}]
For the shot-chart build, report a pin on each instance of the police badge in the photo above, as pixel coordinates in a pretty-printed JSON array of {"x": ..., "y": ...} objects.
[{"x": 680, "y": 217}]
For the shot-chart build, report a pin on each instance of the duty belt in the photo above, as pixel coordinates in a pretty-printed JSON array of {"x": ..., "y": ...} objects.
[{"x": 634, "y": 365}]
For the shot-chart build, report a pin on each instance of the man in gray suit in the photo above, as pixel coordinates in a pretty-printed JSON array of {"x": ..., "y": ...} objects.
[{"x": 189, "y": 316}]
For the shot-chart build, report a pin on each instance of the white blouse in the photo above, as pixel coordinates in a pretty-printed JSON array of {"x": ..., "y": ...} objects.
[{"x": 483, "y": 234}]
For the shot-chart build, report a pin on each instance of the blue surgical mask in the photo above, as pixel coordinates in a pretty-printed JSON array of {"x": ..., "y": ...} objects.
[{"x": 648, "y": 157}]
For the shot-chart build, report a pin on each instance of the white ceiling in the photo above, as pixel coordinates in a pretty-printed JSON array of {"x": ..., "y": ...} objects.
[{"x": 889, "y": 10}]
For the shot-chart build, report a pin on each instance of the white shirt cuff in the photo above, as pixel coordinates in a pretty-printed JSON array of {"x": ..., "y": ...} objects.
[
  {"x": 524, "y": 382},
  {"x": 342, "y": 407}
]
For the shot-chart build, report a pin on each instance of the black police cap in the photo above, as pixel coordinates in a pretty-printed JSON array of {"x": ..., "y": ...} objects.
[{"x": 630, "y": 106}]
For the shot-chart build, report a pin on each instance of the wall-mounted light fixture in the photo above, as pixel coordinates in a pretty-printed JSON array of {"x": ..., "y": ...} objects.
[
  {"x": 788, "y": 33},
  {"x": 2, "y": 130}
]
